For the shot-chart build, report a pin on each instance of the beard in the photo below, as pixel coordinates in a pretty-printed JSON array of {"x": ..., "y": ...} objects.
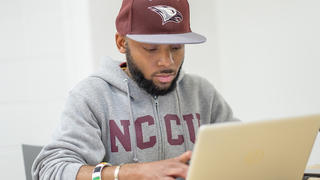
[{"x": 146, "y": 84}]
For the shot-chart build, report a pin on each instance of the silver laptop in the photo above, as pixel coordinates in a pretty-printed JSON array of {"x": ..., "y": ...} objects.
[{"x": 262, "y": 150}]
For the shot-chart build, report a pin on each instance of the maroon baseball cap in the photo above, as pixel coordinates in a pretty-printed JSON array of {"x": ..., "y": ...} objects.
[{"x": 157, "y": 22}]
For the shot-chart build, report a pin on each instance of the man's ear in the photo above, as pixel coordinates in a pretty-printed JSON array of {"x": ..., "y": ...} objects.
[{"x": 121, "y": 43}]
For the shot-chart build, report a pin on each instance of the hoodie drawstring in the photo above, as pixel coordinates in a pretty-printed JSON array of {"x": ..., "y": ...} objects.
[
  {"x": 134, "y": 145},
  {"x": 186, "y": 144}
]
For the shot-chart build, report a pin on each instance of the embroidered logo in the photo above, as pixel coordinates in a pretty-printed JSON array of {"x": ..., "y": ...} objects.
[{"x": 167, "y": 13}]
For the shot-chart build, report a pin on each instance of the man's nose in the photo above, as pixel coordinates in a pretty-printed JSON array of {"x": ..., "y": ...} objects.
[{"x": 166, "y": 58}]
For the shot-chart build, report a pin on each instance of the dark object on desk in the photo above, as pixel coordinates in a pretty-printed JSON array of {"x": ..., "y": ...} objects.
[
  {"x": 29, "y": 154},
  {"x": 311, "y": 173}
]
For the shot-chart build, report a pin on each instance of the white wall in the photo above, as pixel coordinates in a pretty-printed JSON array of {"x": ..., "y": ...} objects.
[
  {"x": 269, "y": 54},
  {"x": 32, "y": 78},
  {"x": 45, "y": 50},
  {"x": 12, "y": 163},
  {"x": 269, "y": 58}
]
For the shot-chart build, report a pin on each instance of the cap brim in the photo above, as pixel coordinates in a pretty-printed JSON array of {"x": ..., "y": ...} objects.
[{"x": 185, "y": 38}]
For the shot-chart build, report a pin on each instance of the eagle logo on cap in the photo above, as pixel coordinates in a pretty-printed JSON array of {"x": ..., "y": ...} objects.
[{"x": 167, "y": 13}]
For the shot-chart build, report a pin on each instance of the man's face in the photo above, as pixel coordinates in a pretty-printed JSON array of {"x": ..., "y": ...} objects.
[{"x": 154, "y": 67}]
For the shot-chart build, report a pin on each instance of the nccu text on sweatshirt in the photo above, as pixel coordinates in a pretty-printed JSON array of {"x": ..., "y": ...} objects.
[{"x": 107, "y": 117}]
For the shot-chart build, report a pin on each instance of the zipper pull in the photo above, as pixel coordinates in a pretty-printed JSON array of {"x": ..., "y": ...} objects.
[{"x": 156, "y": 99}]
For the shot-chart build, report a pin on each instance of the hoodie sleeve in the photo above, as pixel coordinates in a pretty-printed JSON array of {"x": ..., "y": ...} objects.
[
  {"x": 76, "y": 142},
  {"x": 221, "y": 111}
]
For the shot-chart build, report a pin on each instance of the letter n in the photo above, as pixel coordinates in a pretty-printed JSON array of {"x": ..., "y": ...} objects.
[{"x": 124, "y": 137}]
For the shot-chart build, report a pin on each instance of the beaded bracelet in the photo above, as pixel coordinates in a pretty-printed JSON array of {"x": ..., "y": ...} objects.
[{"x": 96, "y": 175}]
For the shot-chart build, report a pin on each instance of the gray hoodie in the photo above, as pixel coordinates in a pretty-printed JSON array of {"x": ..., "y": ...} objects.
[{"x": 108, "y": 118}]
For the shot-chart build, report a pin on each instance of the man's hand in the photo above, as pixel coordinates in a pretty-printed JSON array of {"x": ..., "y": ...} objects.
[{"x": 169, "y": 169}]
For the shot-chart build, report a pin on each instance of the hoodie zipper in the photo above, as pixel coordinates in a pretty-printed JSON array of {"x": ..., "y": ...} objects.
[{"x": 161, "y": 152}]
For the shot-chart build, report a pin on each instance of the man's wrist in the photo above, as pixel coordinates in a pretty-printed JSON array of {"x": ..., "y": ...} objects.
[{"x": 116, "y": 172}]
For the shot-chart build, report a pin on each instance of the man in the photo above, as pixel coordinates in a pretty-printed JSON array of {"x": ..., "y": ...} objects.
[{"x": 140, "y": 116}]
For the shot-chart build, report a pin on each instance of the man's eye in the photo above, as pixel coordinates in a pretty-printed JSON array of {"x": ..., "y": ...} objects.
[
  {"x": 176, "y": 48},
  {"x": 150, "y": 49}
]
